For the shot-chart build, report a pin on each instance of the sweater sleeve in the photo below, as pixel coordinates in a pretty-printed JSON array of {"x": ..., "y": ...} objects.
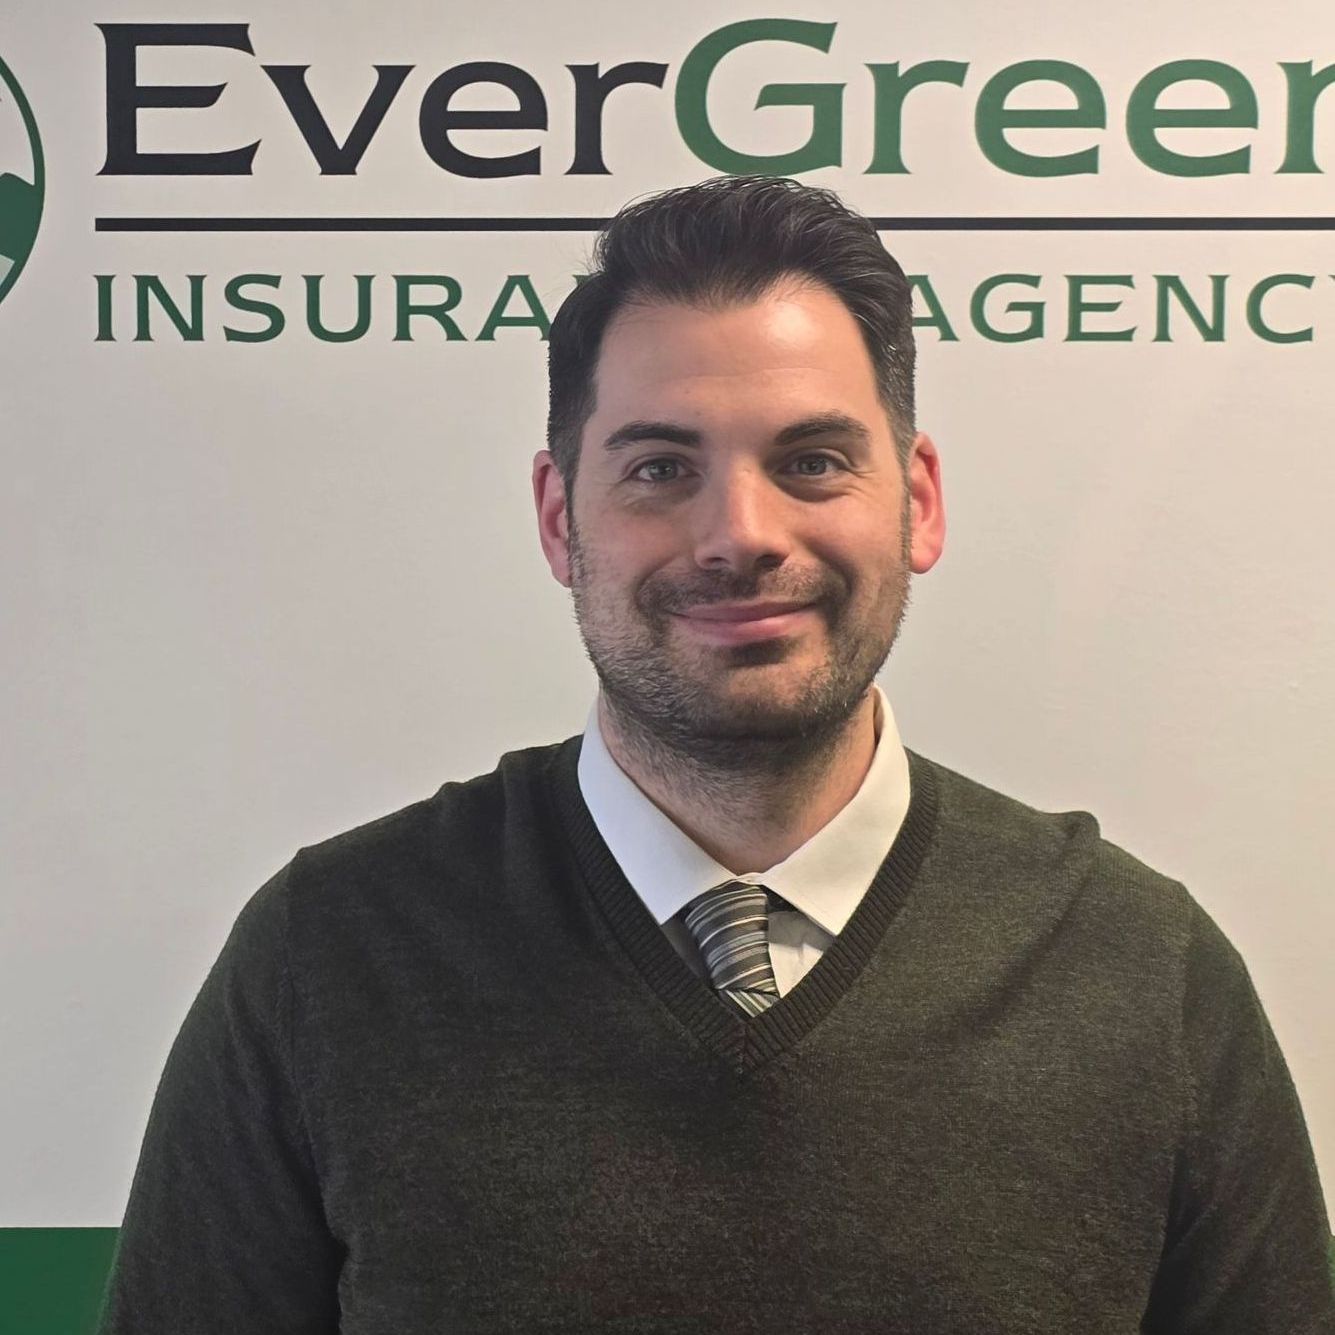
[
  {"x": 1247, "y": 1238},
  {"x": 224, "y": 1230}
]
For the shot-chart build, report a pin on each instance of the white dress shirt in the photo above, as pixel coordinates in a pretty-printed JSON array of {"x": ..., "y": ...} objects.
[{"x": 824, "y": 880}]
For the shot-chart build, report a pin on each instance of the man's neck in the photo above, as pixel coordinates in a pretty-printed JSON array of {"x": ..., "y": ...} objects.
[{"x": 747, "y": 821}]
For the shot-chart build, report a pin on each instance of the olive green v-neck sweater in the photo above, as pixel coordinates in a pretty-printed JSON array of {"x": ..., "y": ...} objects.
[{"x": 449, "y": 1075}]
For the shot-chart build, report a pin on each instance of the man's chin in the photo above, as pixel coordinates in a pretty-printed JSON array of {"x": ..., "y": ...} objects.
[{"x": 761, "y": 711}]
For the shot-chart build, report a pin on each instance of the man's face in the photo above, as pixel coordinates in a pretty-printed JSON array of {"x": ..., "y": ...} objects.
[{"x": 739, "y": 456}]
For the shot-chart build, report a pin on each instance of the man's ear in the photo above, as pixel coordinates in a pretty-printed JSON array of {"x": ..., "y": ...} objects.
[
  {"x": 549, "y": 496},
  {"x": 927, "y": 511}
]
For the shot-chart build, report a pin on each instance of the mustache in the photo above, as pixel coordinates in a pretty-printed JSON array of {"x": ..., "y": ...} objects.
[{"x": 678, "y": 597}]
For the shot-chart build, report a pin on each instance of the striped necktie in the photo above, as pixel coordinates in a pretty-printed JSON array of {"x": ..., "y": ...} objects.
[{"x": 730, "y": 924}]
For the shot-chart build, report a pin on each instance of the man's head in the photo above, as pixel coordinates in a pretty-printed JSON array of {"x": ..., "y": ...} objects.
[{"x": 743, "y": 435}]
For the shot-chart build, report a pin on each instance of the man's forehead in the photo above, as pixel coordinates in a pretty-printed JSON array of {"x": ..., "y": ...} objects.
[
  {"x": 789, "y": 329},
  {"x": 830, "y": 422}
]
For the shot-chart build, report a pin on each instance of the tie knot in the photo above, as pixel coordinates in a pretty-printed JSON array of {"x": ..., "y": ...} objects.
[{"x": 730, "y": 924}]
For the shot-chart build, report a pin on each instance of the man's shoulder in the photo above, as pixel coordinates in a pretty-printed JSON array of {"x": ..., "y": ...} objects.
[
  {"x": 985, "y": 832},
  {"x": 380, "y": 885},
  {"x": 461, "y": 819}
]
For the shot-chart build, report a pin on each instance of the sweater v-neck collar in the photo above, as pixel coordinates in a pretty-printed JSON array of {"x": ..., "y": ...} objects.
[
  {"x": 821, "y": 881},
  {"x": 743, "y": 1042}
]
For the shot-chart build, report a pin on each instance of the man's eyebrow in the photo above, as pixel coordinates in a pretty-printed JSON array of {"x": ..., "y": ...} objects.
[
  {"x": 672, "y": 433},
  {"x": 669, "y": 432},
  {"x": 824, "y": 424}
]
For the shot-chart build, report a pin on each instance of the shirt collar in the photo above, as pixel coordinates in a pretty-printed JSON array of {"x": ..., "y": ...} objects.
[{"x": 825, "y": 878}]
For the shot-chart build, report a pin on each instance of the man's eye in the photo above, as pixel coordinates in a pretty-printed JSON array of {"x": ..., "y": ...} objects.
[
  {"x": 823, "y": 461},
  {"x": 670, "y": 464},
  {"x": 829, "y": 462}
]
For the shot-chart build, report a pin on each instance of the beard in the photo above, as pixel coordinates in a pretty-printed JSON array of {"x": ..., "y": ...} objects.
[{"x": 717, "y": 708}]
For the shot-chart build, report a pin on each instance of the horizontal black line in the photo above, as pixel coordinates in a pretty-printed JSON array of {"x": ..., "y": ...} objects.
[
  {"x": 907, "y": 224},
  {"x": 348, "y": 224}
]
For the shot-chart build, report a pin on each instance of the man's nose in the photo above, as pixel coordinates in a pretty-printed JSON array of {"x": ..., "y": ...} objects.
[{"x": 740, "y": 518}]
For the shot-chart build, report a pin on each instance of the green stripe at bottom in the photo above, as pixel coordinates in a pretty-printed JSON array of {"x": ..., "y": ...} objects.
[{"x": 51, "y": 1279}]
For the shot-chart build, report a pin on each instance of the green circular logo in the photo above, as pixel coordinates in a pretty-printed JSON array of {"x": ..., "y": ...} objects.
[{"x": 22, "y": 180}]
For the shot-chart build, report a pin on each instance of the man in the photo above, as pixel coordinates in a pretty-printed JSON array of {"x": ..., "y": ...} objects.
[{"x": 730, "y": 1014}]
